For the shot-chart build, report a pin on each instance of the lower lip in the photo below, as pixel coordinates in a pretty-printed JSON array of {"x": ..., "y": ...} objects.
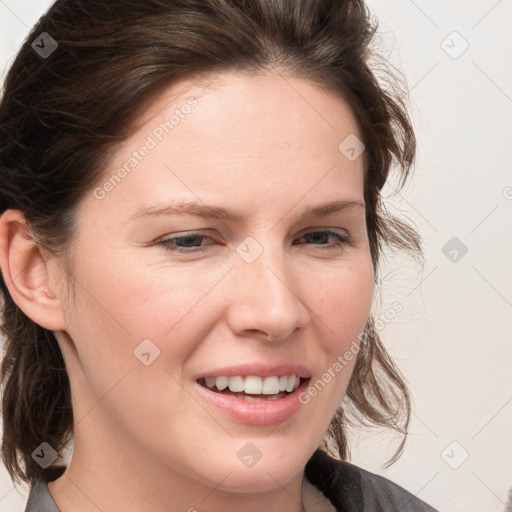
[{"x": 267, "y": 412}]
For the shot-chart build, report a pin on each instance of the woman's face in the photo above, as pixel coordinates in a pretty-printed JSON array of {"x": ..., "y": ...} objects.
[{"x": 249, "y": 273}]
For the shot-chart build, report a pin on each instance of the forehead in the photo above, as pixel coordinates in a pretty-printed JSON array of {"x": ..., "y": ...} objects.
[
  {"x": 239, "y": 98},
  {"x": 238, "y": 138}
]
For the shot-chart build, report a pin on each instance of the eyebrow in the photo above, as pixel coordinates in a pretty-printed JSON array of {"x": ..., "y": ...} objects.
[{"x": 218, "y": 212}]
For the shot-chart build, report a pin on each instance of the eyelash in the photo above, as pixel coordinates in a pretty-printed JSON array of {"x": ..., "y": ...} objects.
[{"x": 170, "y": 243}]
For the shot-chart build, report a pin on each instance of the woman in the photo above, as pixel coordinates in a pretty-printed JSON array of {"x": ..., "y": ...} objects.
[{"x": 189, "y": 243}]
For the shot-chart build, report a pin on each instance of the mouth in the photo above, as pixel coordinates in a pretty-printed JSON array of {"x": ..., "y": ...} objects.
[{"x": 253, "y": 388}]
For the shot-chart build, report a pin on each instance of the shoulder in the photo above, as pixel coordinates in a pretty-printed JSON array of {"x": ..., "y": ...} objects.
[
  {"x": 354, "y": 489},
  {"x": 39, "y": 498}
]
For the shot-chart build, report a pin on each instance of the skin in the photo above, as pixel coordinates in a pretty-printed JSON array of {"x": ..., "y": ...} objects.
[{"x": 266, "y": 147}]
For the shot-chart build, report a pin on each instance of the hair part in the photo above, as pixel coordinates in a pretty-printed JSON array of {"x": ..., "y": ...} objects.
[{"x": 63, "y": 117}]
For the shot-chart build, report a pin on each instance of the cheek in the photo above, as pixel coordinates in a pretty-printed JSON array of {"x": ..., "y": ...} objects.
[
  {"x": 136, "y": 302},
  {"x": 343, "y": 302},
  {"x": 116, "y": 312},
  {"x": 121, "y": 304}
]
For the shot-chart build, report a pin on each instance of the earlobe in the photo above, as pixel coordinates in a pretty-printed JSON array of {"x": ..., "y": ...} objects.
[{"x": 26, "y": 273}]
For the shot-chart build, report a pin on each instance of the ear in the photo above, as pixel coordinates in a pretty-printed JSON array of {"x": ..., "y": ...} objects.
[{"x": 26, "y": 273}]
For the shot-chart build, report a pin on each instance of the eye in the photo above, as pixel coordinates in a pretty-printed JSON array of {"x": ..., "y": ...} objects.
[
  {"x": 192, "y": 242},
  {"x": 185, "y": 243},
  {"x": 320, "y": 238}
]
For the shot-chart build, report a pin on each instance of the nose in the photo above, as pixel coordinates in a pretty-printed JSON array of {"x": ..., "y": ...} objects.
[{"x": 265, "y": 297}]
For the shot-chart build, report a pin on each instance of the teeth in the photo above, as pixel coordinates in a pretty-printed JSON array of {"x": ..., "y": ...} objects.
[
  {"x": 254, "y": 385},
  {"x": 221, "y": 383},
  {"x": 270, "y": 386},
  {"x": 291, "y": 383},
  {"x": 236, "y": 384},
  {"x": 249, "y": 398}
]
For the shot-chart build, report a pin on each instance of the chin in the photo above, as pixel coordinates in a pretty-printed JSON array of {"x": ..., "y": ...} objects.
[
  {"x": 258, "y": 479},
  {"x": 259, "y": 466}
]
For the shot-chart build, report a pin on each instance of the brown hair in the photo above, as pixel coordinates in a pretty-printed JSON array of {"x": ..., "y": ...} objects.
[{"x": 62, "y": 116}]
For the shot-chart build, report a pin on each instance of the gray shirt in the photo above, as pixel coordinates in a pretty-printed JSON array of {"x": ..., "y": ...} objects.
[{"x": 347, "y": 487}]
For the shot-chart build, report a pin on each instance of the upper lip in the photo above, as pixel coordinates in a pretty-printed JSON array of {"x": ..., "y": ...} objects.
[{"x": 258, "y": 369}]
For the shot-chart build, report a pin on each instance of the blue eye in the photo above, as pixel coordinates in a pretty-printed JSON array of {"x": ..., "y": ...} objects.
[
  {"x": 341, "y": 239},
  {"x": 191, "y": 242},
  {"x": 185, "y": 243}
]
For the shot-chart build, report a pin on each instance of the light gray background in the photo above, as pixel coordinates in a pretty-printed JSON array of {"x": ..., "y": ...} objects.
[{"x": 452, "y": 338}]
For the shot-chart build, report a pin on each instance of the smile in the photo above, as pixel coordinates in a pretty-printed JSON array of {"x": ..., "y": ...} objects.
[
  {"x": 254, "y": 400},
  {"x": 273, "y": 387}
]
